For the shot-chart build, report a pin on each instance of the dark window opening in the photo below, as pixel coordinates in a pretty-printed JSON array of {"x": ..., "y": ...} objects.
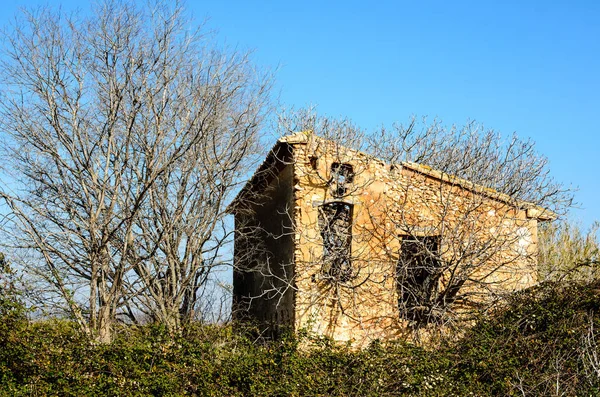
[
  {"x": 342, "y": 175},
  {"x": 417, "y": 274},
  {"x": 335, "y": 223}
]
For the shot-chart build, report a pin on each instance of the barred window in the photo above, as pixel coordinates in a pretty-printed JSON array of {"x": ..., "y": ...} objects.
[
  {"x": 417, "y": 275},
  {"x": 335, "y": 224}
]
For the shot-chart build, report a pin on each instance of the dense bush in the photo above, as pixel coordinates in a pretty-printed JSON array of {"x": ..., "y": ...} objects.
[
  {"x": 53, "y": 358},
  {"x": 541, "y": 343}
]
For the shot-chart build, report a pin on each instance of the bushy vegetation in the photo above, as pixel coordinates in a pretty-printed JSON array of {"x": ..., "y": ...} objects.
[
  {"x": 543, "y": 342},
  {"x": 568, "y": 251}
]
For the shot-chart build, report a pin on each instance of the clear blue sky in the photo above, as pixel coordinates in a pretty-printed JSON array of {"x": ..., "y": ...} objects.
[{"x": 530, "y": 67}]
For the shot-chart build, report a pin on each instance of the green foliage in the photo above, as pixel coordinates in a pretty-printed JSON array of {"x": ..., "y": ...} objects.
[
  {"x": 53, "y": 358},
  {"x": 12, "y": 311},
  {"x": 538, "y": 344},
  {"x": 568, "y": 252}
]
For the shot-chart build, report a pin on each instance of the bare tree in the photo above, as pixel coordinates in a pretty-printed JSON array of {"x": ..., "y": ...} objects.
[
  {"x": 123, "y": 133},
  {"x": 475, "y": 254},
  {"x": 182, "y": 231},
  {"x": 480, "y": 155}
]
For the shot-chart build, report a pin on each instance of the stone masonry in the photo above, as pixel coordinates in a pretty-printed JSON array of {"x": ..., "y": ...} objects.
[{"x": 338, "y": 243}]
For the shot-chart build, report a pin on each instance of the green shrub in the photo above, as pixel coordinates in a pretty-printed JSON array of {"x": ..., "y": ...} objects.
[{"x": 538, "y": 343}]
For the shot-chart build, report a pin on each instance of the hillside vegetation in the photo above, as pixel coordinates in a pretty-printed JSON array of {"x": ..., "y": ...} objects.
[{"x": 543, "y": 342}]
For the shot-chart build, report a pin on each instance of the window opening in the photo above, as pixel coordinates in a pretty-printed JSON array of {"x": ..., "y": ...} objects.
[
  {"x": 342, "y": 175},
  {"x": 335, "y": 223},
  {"x": 418, "y": 273}
]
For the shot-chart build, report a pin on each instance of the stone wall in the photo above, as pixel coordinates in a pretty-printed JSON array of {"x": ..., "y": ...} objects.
[
  {"x": 485, "y": 240},
  {"x": 323, "y": 234},
  {"x": 263, "y": 280}
]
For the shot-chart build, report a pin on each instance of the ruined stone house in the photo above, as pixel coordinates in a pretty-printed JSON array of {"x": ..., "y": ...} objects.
[{"x": 336, "y": 242}]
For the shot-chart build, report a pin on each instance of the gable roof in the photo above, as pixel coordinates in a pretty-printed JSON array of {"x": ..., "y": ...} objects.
[
  {"x": 264, "y": 173},
  {"x": 275, "y": 157}
]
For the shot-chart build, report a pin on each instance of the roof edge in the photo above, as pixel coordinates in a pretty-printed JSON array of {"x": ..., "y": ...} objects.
[
  {"x": 304, "y": 137},
  {"x": 272, "y": 156},
  {"x": 532, "y": 210}
]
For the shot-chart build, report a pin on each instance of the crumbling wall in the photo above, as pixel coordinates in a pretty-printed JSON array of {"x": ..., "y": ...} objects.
[
  {"x": 364, "y": 306},
  {"x": 493, "y": 243},
  {"x": 491, "y": 240}
]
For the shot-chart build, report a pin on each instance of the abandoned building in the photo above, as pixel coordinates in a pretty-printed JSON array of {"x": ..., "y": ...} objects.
[{"x": 336, "y": 242}]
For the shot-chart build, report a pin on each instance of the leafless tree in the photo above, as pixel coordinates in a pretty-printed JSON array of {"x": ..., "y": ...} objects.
[
  {"x": 475, "y": 254},
  {"x": 181, "y": 233},
  {"x": 481, "y": 155},
  {"x": 455, "y": 268},
  {"x": 123, "y": 133}
]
